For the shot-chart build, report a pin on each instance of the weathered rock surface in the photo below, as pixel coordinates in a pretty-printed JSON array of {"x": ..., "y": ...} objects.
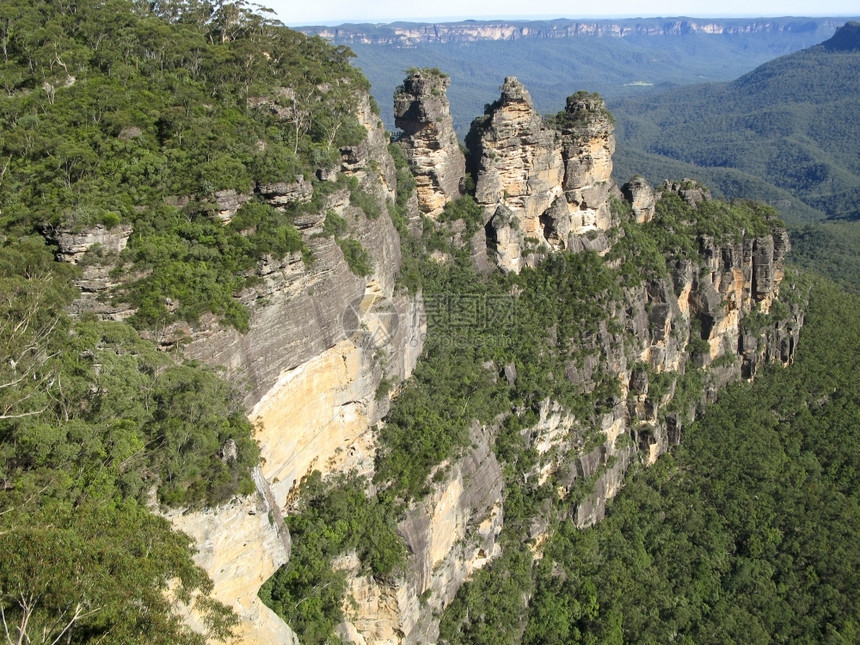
[
  {"x": 95, "y": 250},
  {"x": 301, "y": 311},
  {"x": 422, "y": 112},
  {"x": 449, "y": 534},
  {"x": 240, "y": 548},
  {"x": 542, "y": 185},
  {"x": 588, "y": 143},
  {"x": 519, "y": 170},
  {"x": 641, "y": 197},
  {"x": 705, "y": 304}
]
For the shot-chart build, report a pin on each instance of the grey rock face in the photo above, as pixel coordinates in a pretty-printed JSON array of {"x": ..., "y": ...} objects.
[
  {"x": 96, "y": 251},
  {"x": 641, "y": 197}
]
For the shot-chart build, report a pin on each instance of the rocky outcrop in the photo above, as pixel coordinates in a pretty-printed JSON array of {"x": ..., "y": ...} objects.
[
  {"x": 517, "y": 164},
  {"x": 422, "y": 112},
  {"x": 588, "y": 143},
  {"x": 240, "y": 548},
  {"x": 95, "y": 250},
  {"x": 543, "y": 185},
  {"x": 705, "y": 316},
  {"x": 642, "y": 199},
  {"x": 689, "y": 190}
]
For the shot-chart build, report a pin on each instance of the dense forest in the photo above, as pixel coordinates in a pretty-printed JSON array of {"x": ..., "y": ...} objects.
[
  {"x": 126, "y": 112},
  {"x": 747, "y": 532},
  {"x": 789, "y": 122}
]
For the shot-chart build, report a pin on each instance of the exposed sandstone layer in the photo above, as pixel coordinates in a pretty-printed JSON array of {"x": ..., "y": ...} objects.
[
  {"x": 320, "y": 341},
  {"x": 519, "y": 171},
  {"x": 422, "y": 112},
  {"x": 706, "y": 305},
  {"x": 240, "y": 548},
  {"x": 588, "y": 143},
  {"x": 543, "y": 185},
  {"x": 301, "y": 311},
  {"x": 95, "y": 250},
  {"x": 449, "y": 534}
]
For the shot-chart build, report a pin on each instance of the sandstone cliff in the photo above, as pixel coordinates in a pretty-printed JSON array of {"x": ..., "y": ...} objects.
[
  {"x": 449, "y": 534},
  {"x": 696, "y": 324},
  {"x": 321, "y": 340},
  {"x": 422, "y": 112},
  {"x": 543, "y": 185}
]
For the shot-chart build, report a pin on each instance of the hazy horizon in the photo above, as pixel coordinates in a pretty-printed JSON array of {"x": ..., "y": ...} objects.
[{"x": 337, "y": 12}]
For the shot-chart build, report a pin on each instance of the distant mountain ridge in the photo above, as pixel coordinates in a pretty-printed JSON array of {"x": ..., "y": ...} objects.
[
  {"x": 410, "y": 34},
  {"x": 791, "y": 122},
  {"x": 847, "y": 38},
  {"x": 553, "y": 58}
]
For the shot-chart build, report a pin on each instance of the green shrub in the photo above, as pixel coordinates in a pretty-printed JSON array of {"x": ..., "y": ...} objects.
[{"x": 358, "y": 260}]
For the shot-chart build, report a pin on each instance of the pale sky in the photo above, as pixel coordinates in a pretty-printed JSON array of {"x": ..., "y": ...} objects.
[{"x": 332, "y": 12}]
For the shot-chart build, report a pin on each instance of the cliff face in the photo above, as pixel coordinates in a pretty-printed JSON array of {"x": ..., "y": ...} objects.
[
  {"x": 321, "y": 340},
  {"x": 542, "y": 185},
  {"x": 422, "y": 111},
  {"x": 410, "y": 35},
  {"x": 449, "y": 534},
  {"x": 697, "y": 322}
]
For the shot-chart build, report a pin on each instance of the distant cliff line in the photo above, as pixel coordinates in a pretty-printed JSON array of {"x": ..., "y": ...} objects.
[{"x": 410, "y": 34}]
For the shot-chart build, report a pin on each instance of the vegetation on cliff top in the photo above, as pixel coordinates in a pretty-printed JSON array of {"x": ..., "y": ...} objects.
[{"x": 118, "y": 111}]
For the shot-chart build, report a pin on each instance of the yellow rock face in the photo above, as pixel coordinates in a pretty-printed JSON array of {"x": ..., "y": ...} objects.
[
  {"x": 314, "y": 416},
  {"x": 240, "y": 549}
]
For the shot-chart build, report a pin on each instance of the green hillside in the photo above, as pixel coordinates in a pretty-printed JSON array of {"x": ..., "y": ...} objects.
[{"x": 791, "y": 123}]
